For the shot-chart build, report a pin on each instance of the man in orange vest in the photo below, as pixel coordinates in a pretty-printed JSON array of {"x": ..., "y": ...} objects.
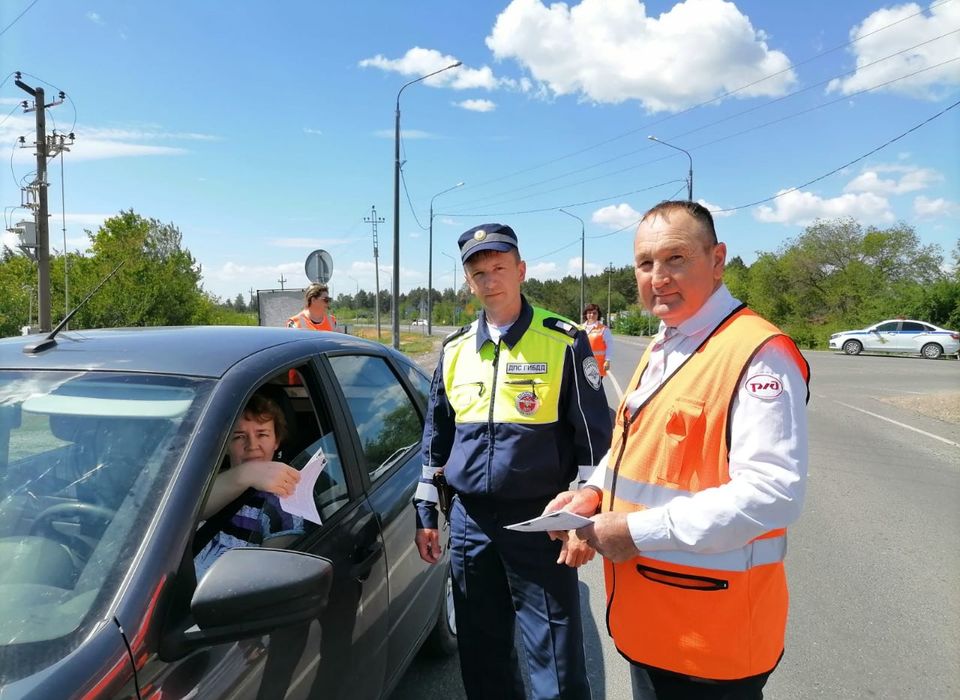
[
  {"x": 316, "y": 314},
  {"x": 600, "y": 337},
  {"x": 707, "y": 468}
]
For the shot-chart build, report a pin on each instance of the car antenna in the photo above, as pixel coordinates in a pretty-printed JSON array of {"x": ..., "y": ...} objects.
[{"x": 51, "y": 340}]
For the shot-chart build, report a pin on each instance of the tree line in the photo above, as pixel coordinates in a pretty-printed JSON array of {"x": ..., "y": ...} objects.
[{"x": 835, "y": 275}]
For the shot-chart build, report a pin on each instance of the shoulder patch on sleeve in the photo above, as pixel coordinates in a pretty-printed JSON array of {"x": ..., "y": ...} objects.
[
  {"x": 763, "y": 386},
  {"x": 561, "y": 326},
  {"x": 457, "y": 333}
]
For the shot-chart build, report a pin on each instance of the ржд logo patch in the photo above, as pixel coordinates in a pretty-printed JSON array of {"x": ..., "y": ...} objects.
[{"x": 764, "y": 386}]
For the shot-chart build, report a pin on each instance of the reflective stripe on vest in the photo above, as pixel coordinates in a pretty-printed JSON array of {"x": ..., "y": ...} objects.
[
  {"x": 768, "y": 550},
  {"x": 719, "y": 615}
]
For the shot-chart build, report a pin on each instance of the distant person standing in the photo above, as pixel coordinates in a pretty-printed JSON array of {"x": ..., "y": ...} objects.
[
  {"x": 316, "y": 314},
  {"x": 600, "y": 337}
]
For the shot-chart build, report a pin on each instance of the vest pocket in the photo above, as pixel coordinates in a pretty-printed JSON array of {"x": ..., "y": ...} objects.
[
  {"x": 682, "y": 442},
  {"x": 678, "y": 580}
]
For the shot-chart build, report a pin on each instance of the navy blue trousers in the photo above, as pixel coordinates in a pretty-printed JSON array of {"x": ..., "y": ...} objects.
[{"x": 503, "y": 578}]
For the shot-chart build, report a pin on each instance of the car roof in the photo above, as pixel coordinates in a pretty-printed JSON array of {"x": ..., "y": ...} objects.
[{"x": 203, "y": 351}]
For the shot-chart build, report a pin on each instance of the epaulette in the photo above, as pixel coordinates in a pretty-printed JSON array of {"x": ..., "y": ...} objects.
[
  {"x": 456, "y": 334},
  {"x": 561, "y": 326}
]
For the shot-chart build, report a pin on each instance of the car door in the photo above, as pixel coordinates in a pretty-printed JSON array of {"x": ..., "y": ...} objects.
[
  {"x": 912, "y": 336},
  {"x": 389, "y": 423},
  {"x": 343, "y": 654},
  {"x": 884, "y": 337}
]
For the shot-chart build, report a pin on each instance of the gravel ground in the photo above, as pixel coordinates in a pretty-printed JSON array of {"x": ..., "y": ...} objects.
[{"x": 942, "y": 406}]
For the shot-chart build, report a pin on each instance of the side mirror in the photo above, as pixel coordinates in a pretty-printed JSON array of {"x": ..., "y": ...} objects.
[{"x": 252, "y": 591}]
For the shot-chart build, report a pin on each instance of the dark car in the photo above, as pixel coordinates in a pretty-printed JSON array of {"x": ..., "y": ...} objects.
[{"x": 109, "y": 443}]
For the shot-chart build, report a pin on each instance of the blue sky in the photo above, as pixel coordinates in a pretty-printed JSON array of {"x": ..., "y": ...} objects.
[{"x": 266, "y": 133}]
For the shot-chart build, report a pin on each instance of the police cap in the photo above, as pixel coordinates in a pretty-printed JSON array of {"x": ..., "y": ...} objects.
[{"x": 487, "y": 237}]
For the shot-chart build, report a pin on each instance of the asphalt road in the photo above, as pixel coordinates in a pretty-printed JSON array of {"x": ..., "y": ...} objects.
[{"x": 873, "y": 562}]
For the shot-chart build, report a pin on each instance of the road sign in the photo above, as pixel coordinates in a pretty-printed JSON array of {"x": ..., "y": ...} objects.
[{"x": 319, "y": 267}]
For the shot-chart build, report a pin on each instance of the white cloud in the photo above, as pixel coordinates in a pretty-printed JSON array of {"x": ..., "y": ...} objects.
[
  {"x": 308, "y": 242},
  {"x": 314, "y": 132},
  {"x": 616, "y": 216},
  {"x": 95, "y": 18},
  {"x": 927, "y": 208},
  {"x": 609, "y": 51},
  {"x": 905, "y": 31},
  {"x": 543, "y": 271},
  {"x": 419, "y": 61},
  {"x": 911, "y": 179},
  {"x": 713, "y": 208},
  {"x": 260, "y": 276},
  {"x": 405, "y": 133},
  {"x": 102, "y": 143},
  {"x": 803, "y": 208},
  {"x": 573, "y": 267},
  {"x": 477, "y": 105}
]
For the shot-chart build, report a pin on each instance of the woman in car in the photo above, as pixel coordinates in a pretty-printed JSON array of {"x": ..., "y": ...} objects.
[{"x": 244, "y": 503}]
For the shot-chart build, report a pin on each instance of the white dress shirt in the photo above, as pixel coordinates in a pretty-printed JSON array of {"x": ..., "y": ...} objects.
[{"x": 768, "y": 450}]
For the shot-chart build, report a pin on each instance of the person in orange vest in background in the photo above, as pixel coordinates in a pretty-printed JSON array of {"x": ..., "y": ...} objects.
[
  {"x": 707, "y": 468},
  {"x": 316, "y": 314},
  {"x": 600, "y": 337}
]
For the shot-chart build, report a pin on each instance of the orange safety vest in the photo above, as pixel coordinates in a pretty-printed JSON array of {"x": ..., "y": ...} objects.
[
  {"x": 302, "y": 320},
  {"x": 719, "y": 615},
  {"x": 598, "y": 345}
]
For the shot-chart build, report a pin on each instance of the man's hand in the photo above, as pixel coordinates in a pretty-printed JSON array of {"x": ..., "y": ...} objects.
[
  {"x": 584, "y": 502},
  {"x": 575, "y": 551},
  {"x": 606, "y": 365},
  {"x": 610, "y": 535},
  {"x": 272, "y": 477},
  {"x": 428, "y": 544}
]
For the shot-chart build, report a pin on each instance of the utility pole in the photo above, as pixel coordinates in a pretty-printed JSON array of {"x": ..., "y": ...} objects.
[
  {"x": 40, "y": 183},
  {"x": 609, "y": 272},
  {"x": 282, "y": 281},
  {"x": 373, "y": 220}
]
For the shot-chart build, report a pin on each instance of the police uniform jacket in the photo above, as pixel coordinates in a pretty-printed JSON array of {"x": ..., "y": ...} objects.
[{"x": 513, "y": 420}]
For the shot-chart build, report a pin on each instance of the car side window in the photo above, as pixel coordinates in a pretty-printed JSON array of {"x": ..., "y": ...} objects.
[
  {"x": 887, "y": 327},
  {"x": 387, "y": 421},
  {"x": 913, "y": 327},
  {"x": 315, "y": 437}
]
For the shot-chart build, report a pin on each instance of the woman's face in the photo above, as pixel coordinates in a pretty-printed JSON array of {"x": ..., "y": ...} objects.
[
  {"x": 252, "y": 440},
  {"x": 592, "y": 316}
]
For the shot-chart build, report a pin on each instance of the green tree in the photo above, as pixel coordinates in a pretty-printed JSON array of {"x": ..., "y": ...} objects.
[{"x": 157, "y": 285}]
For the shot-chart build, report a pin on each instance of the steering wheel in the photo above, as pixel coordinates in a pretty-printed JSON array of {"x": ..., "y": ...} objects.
[{"x": 43, "y": 525}]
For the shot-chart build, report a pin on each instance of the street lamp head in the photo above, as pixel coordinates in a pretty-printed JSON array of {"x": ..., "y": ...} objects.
[{"x": 652, "y": 137}]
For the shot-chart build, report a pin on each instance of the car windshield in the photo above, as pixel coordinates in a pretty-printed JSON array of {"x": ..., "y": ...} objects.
[{"x": 84, "y": 461}]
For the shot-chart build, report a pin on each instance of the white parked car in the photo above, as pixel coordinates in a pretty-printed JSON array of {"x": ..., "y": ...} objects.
[
  {"x": 419, "y": 322},
  {"x": 899, "y": 336}
]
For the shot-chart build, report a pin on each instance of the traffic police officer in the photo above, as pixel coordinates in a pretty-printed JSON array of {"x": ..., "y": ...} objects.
[{"x": 516, "y": 407}]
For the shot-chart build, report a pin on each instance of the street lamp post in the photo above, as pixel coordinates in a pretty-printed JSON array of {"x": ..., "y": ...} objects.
[
  {"x": 609, "y": 271},
  {"x": 430, "y": 262},
  {"x": 690, "y": 172},
  {"x": 396, "y": 207},
  {"x": 582, "y": 257}
]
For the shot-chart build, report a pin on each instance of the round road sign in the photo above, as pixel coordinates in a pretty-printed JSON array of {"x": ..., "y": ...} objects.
[{"x": 319, "y": 267}]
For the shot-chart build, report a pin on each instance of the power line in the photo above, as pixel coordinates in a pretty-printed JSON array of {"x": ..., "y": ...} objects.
[
  {"x": 722, "y": 96},
  {"x": 486, "y": 200},
  {"x": 845, "y": 165},
  {"x": 571, "y": 204},
  {"x": 17, "y": 18},
  {"x": 403, "y": 179}
]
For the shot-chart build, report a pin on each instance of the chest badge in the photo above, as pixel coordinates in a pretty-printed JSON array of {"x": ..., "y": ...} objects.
[{"x": 528, "y": 403}]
